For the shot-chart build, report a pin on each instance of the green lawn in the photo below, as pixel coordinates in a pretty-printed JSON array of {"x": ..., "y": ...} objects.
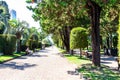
[
  {"x": 8, "y": 57},
  {"x": 94, "y": 73},
  {"x": 77, "y": 59}
]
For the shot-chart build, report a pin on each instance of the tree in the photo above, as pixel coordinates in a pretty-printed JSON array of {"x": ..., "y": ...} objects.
[
  {"x": 109, "y": 24},
  {"x": 61, "y": 16},
  {"x": 78, "y": 38},
  {"x": 64, "y": 14},
  {"x": 17, "y": 28},
  {"x": 118, "y": 8},
  {"x": 94, "y": 10},
  {"x": 2, "y": 27},
  {"x": 119, "y": 37}
]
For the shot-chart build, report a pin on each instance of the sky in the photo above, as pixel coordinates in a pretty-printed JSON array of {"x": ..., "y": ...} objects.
[{"x": 22, "y": 12}]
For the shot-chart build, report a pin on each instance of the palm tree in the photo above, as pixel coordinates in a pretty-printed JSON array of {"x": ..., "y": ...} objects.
[
  {"x": 2, "y": 27},
  {"x": 17, "y": 28}
]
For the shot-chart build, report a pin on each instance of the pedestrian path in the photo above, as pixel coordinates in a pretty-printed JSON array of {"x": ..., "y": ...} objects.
[
  {"x": 109, "y": 61},
  {"x": 43, "y": 65}
]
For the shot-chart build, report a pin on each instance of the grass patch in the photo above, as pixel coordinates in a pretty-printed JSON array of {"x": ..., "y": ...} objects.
[
  {"x": 77, "y": 59},
  {"x": 95, "y": 73},
  {"x": 92, "y": 72},
  {"x": 4, "y": 58},
  {"x": 62, "y": 50}
]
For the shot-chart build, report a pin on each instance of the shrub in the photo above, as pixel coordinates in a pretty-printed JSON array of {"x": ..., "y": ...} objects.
[
  {"x": 39, "y": 44},
  {"x": 32, "y": 44},
  {"x": 47, "y": 42},
  {"x": 119, "y": 38},
  {"x": 7, "y": 43},
  {"x": 78, "y": 38},
  {"x": 23, "y": 48}
]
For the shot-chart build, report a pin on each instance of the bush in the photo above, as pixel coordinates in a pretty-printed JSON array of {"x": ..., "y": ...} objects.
[
  {"x": 47, "y": 42},
  {"x": 78, "y": 38},
  {"x": 119, "y": 38},
  {"x": 7, "y": 43},
  {"x": 32, "y": 44},
  {"x": 39, "y": 44},
  {"x": 23, "y": 48}
]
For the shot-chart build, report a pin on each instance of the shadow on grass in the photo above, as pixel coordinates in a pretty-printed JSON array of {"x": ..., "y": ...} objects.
[
  {"x": 98, "y": 73},
  {"x": 15, "y": 65}
]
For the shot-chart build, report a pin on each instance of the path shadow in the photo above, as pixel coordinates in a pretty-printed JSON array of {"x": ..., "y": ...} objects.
[
  {"x": 18, "y": 66},
  {"x": 73, "y": 72},
  {"x": 22, "y": 57},
  {"x": 44, "y": 51},
  {"x": 38, "y": 55},
  {"x": 108, "y": 58},
  {"x": 106, "y": 62}
]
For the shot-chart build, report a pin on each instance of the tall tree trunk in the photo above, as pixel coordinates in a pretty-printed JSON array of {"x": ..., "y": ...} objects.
[
  {"x": 108, "y": 45},
  {"x": 111, "y": 41},
  {"x": 94, "y": 12},
  {"x": 65, "y": 36},
  {"x": 119, "y": 37},
  {"x": 18, "y": 45}
]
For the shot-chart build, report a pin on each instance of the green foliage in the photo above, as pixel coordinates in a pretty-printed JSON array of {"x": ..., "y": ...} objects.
[
  {"x": 39, "y": 44},
  {"x": 32, "y": 44},
  {"x": 28, "y": 1},
  {"x": 98, "y": 73},
  {"x": 47, "y": 42},
  {"x": 23, "y": 48},
  {"x": 2, "y": 27},
  {"x": 54, "y": 15},
  {"x": 78, "y": 38},
  {"x": 7, "y": 43},
  {"x": 103, "y": 3},
  {"x": 31, "y": 1},
  {"x": 77, "y": 59},
  {"x": 119, "y": 37},
  {"x": 115, "y": 41}
]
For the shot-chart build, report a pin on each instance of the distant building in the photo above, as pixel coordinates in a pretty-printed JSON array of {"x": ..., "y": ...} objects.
[{"x": 13, "y": 14}]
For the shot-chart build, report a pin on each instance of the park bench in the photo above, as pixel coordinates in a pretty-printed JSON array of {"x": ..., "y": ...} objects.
[
  {"x": 87, "y": 54},
  {"x": 118, "y": 61}
]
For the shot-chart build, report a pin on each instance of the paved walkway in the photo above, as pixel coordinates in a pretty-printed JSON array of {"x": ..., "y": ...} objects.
[
  {"x": 109, "y": 61},
  {"x": 44, "y": 65}
]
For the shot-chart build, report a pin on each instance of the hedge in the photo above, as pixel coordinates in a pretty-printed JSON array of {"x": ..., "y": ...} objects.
[
  {"x": 32, "y": 44},
  {"x": 78, "y": 38},
  {"x": 7, "y": 44}
]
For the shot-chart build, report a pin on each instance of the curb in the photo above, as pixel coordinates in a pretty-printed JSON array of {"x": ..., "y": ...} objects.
[{"x": 12, "y": 58}]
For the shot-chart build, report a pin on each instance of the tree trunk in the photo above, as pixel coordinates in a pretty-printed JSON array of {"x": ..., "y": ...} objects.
[
  {"x": 111, "y": 41},
  {"x": 71, "y": 52},
  {"x": 108, "y": 45},
  {"x": 94, "y": 13},
  {"x": 80, "y": 52},
  {"x": 65, "y": 36},
  {"x": 18, "y": 45}
]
